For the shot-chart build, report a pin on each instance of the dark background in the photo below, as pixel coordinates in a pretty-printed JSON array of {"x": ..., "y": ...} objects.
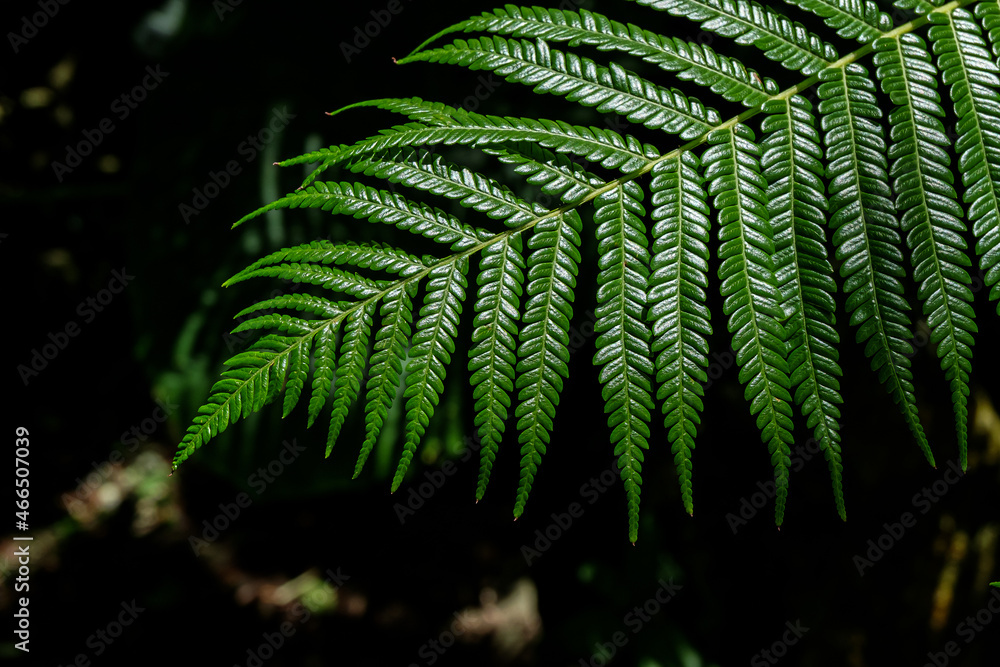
[{"x": 112, "y": 528}]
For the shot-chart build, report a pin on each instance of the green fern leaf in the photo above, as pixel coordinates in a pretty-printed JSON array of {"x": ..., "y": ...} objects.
[
  {"x": 328, "y": 277},
  {"x": 747, "y": 22},
  {"x": 623, "y": 343},
  {"x": 350, "y": 368},
  {"x": 432, "y": 173},
  {"x": 853, "y": 19},
  {"x": 377, "y": 256},
  {"x": 611, "y": 89},
  {"x": 597, "y": 145},
  {"x": 543, "y": 350},
  {"x": 981, "y": 184},
  {"x": 301, "y": 302},
  {"x": 323, "y": 358},
  {"x": 777, "y": 283},
  {"x": 677, "y": 305},
  {"x": 492, "y": 357},
  {"x": 751, "y": 293},
  {"x": 691, "y": 61},
  {"x": 921, "y": 6},
  {"x": 433, "y": 345},
  {"x": 967, "y": 66},
  {"x": 295, "y": 380},
  {"x": 382, "y": 206},
  {"x": 792, "y": 162},
  {"x": 386, "y": 364},
  {"x": 867, "y": 233},
  {"x": 242, "y": 390},
  {"x": 931, "y": 215},
  {"x": 278, "y": 321},
  {"x": 556, "y": 174}
]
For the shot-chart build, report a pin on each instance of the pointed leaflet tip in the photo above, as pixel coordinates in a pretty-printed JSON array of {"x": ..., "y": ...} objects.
[{"x": 350, "y": 106}]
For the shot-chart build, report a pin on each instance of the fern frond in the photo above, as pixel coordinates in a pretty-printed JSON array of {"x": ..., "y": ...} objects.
[
  {"x": 750, "y": 291},
  {"x": 432, "y": 173},
  {"x": 277, "y": 321},
  {"x": 677, "y": 305},
  {"x": 351, "y": 364},
  {"x": 329, "y": 277},
  {"x": 982, "y": 183},
  {"x": 747, "y": 22},
  {"x": 691, "y": 61},
  {"x": 301, "y": 302},
  {"x": 556, "y": 175},
  {"x": 360, "y": 201},
  {"x": 543, "y": 349},
  {"x": 610, "y": 89},
  {"x": 771, "y": 200},
  {"x": 853, "y": 19},
  {"x": 378, "y": 256},
  {"x": 243, "y": 389},
  {"x": 430, "y": 354},
  {"x": 792, "y": 162},
  {"x": 866, "y": 232},
  {"x": 492, "y": 357},
  {"x": 324, "y": 356},
  {"x": 931, "y": 215},
  {"x": 623, "y": 344},
  {"x": 597, "y": 145},
  {"x": 387, "y": 362},
  {"x": 295, "y": 380}
]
